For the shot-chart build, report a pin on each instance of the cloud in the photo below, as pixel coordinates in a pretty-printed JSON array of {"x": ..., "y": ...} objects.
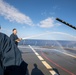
[
  {"x": 52, "y": 13},
  {"x": 44, "y": 13},
  {"x": 12, "y": 14},
  {"x": 48, "y": 23},
  {"x": 56, "y": 7},
  {"x": 5, "y": 30},
  {"x": 23, "y": 27}
]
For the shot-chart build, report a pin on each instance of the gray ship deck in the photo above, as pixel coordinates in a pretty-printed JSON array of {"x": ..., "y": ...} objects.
[{"x": 45, "y": 61}]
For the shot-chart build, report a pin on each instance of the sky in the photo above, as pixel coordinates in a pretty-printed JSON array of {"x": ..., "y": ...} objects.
[{"x": 36, "y": 19}]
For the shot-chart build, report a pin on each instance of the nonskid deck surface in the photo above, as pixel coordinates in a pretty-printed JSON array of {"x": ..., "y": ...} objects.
[{"x": 46, "y": 61}]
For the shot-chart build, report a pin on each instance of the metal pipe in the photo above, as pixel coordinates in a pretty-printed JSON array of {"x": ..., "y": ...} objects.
[{"x": 66, "y": 23}]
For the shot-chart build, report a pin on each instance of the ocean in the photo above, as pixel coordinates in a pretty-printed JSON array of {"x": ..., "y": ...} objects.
[{"x": 52, "y": 43}]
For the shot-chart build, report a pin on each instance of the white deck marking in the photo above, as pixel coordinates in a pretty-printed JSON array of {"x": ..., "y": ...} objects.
[
  {"x": 47, "y": 65},
  {"x": 51, "y": 71},
  {"x": 40, "y": 57}
]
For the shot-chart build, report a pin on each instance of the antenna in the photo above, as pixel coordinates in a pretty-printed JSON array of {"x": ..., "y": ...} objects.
[{"x": 66, "y": 23}]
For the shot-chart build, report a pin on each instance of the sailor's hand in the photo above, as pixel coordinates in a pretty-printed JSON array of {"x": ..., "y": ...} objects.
[{"x": 20, "y": 39}]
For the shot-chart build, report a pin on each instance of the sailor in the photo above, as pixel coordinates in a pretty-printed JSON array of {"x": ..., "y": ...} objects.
[{"x": 14, "y": 36}]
